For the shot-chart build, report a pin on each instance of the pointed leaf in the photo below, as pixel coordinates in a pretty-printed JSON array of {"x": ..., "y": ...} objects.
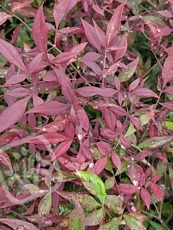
[
  {"x": 116, "y": 160},
  {"x": 13, "y": 114},
  {"x": 45, "y": 205},
  {"x": 127, "y": 189},
  {"x": 4, "y": 159},
  {"x": 90, "y": 91},
  {"x": 16, "y": 6},
  {"x": 91, "y": 35},
  {"x": 157, "y": 191},
  {"x": 113, "y": 224},
  {"x": 15, "y": 223},
  {"x": 144, "y": 93},
  {"x": 100, "y": 165},
  {"x": 133, "y": 223},
  {"x": 128, "y": 72},
  {"x": 61, "y": 149},
  {"x": 4, "y": 17},
  {"x": 40, "y": 30},
  {"x": 16, "y": 79},
  {"x": 114, "y": 204},
  {"x": 50, "y": 108},
  {"x": 59, "y": 11},
  {"x": 10, "y": 53},
  {"x": 95, "y": 217},
  {"x": 146, "y": 197},
  {"x": 114, "y": 24},
  {"x": 93, "y": 184},
  {"x": 167, "y": 70},
  {"x": 76, "y": 221}
]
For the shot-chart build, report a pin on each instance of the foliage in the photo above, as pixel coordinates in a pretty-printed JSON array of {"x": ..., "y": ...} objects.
[{"x": 86, "y": 116}]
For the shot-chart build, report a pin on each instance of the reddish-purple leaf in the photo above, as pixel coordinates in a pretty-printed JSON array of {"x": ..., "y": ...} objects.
[
  {"x": 61, "y": 150},
  {"x": 114, "y": 24},
  {"x": 59, "y": 11},
  {"x": 167, "y": 70},
  {"x": 51, "y": 108},
  {"x": 16, "y": 79},
  {"x": 134, "y": 84},
  {"x": 48, "y": 139},
  {"x": 165, "y": 13},
  {"x": 16, "y": 6},
  {"x": 34, "y": 65},
  {"x": 127, "y": 189},
  {"x": 97, "y": 9},
  {"x": 167, "y": 105},
  {"x": 8, "y": 137},
  {"x": 78, "y": 48},
  {"x": 16, "y": 224},
  {"x": 64, "y": 58},
  {"x": 162, "y": 156},
  {"x": 146, "y": 197},
  {"x": 141, "y": 156},
  {"x": 50, "y": 76},
  {"x": 65, "y": 83},
  {"x": 169, "y": 90},
  {"x": 18, "y": 92},
  {"x": 70, "y": 30},
  {"x": 90, "y": 56},
  {"x": 133, "y": 174},
  {"x": 91, "y": 35},
  {"x": 156, "y": 178},
  {"x": 103, "y": 147},
  {"x": 100, "y": 34},
  {"x": 116, "y": 160},
  {"x": 4, "y": 17},
  {"x": 107, "y": 133},
  {"x": 13, "y": 114},
  {"x": 90, "y": 91},
  {"x": 157, "y": 191},
  {"x": 40, "y": 31},
  {"x": 124, "y": 141},
  {"x": 4, "y": 159},
  {"x": 100, "y": 165},
  {"x": 57, "y": 125},
  {"x": 83, "y": 117},
  {"x": 70, "y": 4},
  {"x": 94, "y": 66},
  {"x": 144, "y": 93},
  {"x": 10, "y": 54}
]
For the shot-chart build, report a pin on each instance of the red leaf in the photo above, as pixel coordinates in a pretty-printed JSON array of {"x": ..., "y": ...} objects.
[
  {"x": 10, "y": 54},
  {"x": 7, "y": 137},
  {"x": 145, "y": 153},
  {"x": 4, "y": 158},
  {"x": 162, "y": 156},
  {"x": 167, "y": 105},
  {"x": 134, "y": 84},
  {"x": 108, "y": 133},
  {"x": 124, "y": 141},
  {"x": 90, "y": 56},
  {"x": 35, "y": 63},
  {"x": 40, "y": 31},
  {"x": 167, "y": 70},
  {"x": 57, "y": 125},
  {"x": 50, "y": 108},
  {"x": 13, "y": 114},
  {"x": 100, "y": 34},
  {"x": 15, "y": 224},
  {"x": 78, "y": 48},
  {"x": 16, "y": 6},
  {"x": 18, "y": 92},
  {"x": 83, "y": 117},
  {"x": 4, "y": 17},
  {"x": 165, "y": 13},
  {"x": 133, "y": 174},
  {"x": 70, "y": 30},
  {"x": 65, "y": 83},
  {"x": 97, "y": 9},
  {"x": 114, "y": 24},
  {"x": 157, "y": 191},
  {"x": 127, "y": 189},
  {"x": 90, "y": 91},
  {"x": 103, "y": 147},
  {"x": 48, "y": 139},
  {"x": 64, "y": 57},
  {"x": 156, "y": 178},
  {"x": 169, "y": 90},
  {"x": 146, "y": 197},
  {"x": 144, "y": 93},
  {"x": 61, "y": 150},
  {"x": 116, "y": 160},
  {"x": 16, "y": 79},
  {"x": 59, "y": 11},
  {"x": 91, "y": 35},
  {"x": 100, "y": 165}
]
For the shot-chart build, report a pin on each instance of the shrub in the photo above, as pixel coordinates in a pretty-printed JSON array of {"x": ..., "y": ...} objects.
[{"x": 86, "y": 116}]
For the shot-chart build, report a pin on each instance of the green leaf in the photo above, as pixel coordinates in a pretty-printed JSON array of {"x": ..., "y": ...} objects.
[
  {"x": 133, "y": 223},
  {"x": 124, "y": 165},
  {"x": 168, "y": 125},
  {"x": 156, "y": 225},
  {"x": 112, "y": 225},
  {"x": 145, "y": 118},
  {"x": 45, "y": 205},
  {"x": 155, "y": 142},
  {"x": 93, "y": 184},
  {"x": 114, "y": 204},
  {"x": 109, "y": 183},
  {"x": 95, "y": 217},
  {"x": 87, "y": 202},
  {"x": 76, "y": 221},
  {"x": 128, "y": 72},
  {"x": 130, "y": 130}
]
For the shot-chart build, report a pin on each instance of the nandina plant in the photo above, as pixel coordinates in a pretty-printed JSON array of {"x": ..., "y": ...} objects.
[{"x": 86, "y": 116}]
